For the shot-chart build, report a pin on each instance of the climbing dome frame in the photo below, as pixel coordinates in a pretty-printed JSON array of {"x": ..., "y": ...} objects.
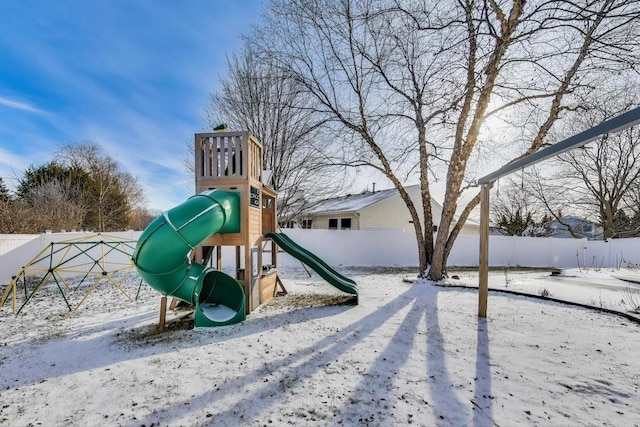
[{"x": 95, "y": 258}]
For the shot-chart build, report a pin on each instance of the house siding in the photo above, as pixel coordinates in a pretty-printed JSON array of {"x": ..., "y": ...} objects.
[
  {"x": 470, "y": 229},
  {"x": 321, "y": 222},
  {"x": 388, "y": 213},
  {"x": 393, "y": 212}
]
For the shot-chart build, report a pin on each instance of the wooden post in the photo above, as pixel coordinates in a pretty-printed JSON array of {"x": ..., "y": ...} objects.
[
  {"x": 274, "y": 253},
  {"x": 238, "y": 261},
  {"x": 163, "y": 311},
  {"x": 275, "y": 288},
  {"x": 483, "y": 288}
]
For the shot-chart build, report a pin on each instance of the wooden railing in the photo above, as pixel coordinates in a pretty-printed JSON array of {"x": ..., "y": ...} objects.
[{"x": 222, "y": 155}]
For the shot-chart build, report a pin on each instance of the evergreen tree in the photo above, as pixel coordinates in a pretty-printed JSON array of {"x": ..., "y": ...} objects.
[
  {"x": 4, "y": 192},
  {"x": 36, "y": 176}
]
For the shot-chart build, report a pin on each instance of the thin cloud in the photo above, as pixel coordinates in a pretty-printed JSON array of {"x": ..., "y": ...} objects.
[{"x": 23, "y": 106}]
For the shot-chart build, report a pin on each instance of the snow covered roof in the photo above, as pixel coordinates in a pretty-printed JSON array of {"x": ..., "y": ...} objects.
[{"x": 350, "y": 203}]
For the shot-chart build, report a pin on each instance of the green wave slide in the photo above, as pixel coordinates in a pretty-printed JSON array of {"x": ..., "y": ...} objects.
[
  {"x": 163, "y": 257},
  {"x": 319, "y": 266}
]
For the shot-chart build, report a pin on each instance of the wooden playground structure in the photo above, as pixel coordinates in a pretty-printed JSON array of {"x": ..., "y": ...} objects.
[
  {"x": 233, "y": 161},
  {"x": 180, "y": 253}
]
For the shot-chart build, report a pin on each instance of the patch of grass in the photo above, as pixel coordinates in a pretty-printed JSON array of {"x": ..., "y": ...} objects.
[
  {"x": 154, "y": 334},
  {"x": 308, "y": 301},
  {"x": 631, "y": 300}
]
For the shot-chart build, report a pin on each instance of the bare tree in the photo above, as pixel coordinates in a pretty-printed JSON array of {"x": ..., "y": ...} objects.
[
  {"x": 257, "y": 97},
  {"x": 15, "y": 218},
  {"x": 54, "y": 205},
  {"x": 140, "y": 218},
  {"x": 552, "y": 193},
  {"x": 603, "y": 174},
  {"x": 632, "y": 201},
  {"x": 113, "y": 192},
  {"x": 49, "y": 196},
  {"x": 50, "y": 205},
  {"x": 409, "y": 85},
  {"x": 516, "y": 212}
]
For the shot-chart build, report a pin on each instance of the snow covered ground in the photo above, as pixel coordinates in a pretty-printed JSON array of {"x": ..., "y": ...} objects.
[{"x": 409, "y": 353}]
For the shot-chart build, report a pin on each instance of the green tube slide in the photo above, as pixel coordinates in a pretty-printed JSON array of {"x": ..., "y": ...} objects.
[
  {"x": 163, "y": 257},
  {"x": 318, "y": 265}
]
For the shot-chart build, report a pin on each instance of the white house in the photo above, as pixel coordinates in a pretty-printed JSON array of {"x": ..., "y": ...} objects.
[
  {"x": 582, "y": 228},
  {"x": 383, "y": 209}
]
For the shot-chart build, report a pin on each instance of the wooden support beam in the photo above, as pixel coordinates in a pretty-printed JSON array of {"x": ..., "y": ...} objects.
[
  {"x": 163, "y": 311},
  {"x": 279, "y": 282},
  {"x": 483, "y": 288},
  {"x": 611, "y": 126}
]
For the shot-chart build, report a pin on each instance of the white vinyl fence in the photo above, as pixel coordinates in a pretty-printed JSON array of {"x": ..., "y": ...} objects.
[
  {"x": 9, "y": 242},
  {"x": 26, "y": 247},
  {"x": 387, "y": 248}
]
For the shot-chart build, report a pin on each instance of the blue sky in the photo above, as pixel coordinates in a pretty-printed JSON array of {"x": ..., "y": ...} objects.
[{"x": 130, "y": 75}]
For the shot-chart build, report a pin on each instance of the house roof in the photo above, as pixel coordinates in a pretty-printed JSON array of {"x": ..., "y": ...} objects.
[
  {"x": 350, "y": 203},
  {"x": 353, "y": 203},
  {"x": 573, "y": 220}
]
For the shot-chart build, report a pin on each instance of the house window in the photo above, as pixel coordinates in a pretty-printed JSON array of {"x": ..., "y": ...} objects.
[
  {"x": 306, "y": 223},
  {"x": 288, "y": 224},
  {"x": 345, "y": 223},
  {"x": 435, "y": 228}
]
